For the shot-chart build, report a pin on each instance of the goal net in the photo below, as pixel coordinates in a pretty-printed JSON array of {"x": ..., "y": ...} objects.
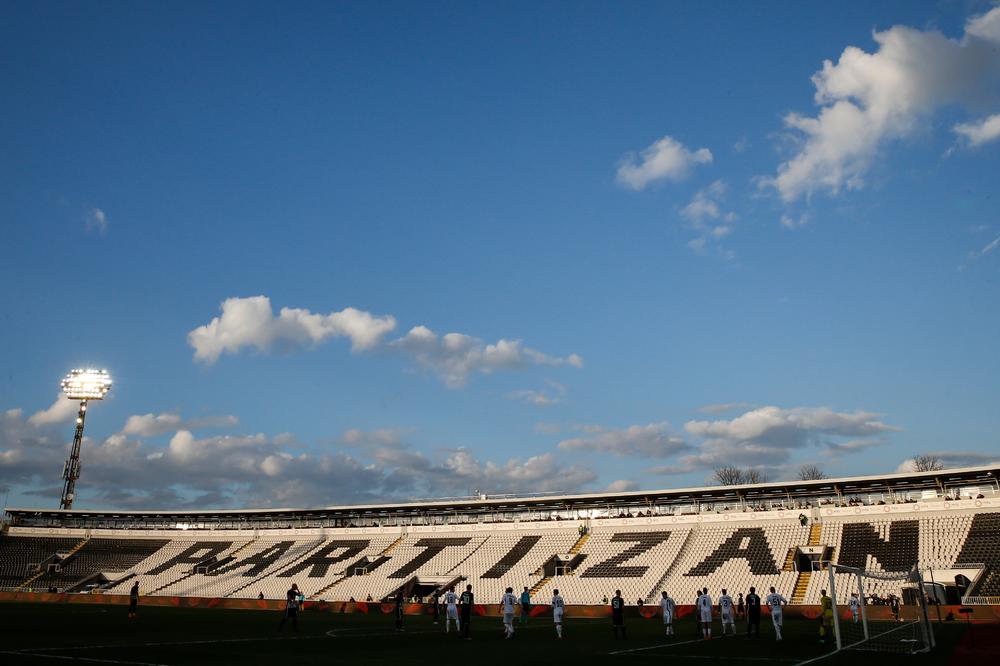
[{"x": 880, "y": 611}]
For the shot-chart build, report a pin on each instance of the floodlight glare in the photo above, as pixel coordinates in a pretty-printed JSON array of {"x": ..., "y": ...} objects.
[
  {"x": 86, "y": 384},
  {"x": 83, "y": 385}
]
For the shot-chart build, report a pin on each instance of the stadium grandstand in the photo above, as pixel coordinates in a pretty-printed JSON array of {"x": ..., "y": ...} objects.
[{"x": 586, "y": 545}]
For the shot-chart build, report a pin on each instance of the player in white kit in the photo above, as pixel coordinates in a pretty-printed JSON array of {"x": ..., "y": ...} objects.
[
  {"x": 507, "y": 603},
  {"x": 775, "y": 601},
  {"x": 705, "y": 612},
  {"x": 726, "y": 613},
  {"x": 451, "y": 612},
  {"x": 667, "y": 606},
  {"x": 855, "y": 605},
  {"x": 558, "y": 605}
]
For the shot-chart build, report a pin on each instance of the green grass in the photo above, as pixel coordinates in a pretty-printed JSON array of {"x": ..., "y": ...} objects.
[{"x": 55, "y": 633}]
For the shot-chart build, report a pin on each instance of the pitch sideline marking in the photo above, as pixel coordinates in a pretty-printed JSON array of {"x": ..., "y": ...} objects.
[
  {"x": 653, "y": 647},
  {"x": 822, "y": 656},
  {"x": 71, "y": 658}
]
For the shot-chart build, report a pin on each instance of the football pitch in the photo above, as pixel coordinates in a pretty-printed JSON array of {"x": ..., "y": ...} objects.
[{"x": 84, "y": 633}]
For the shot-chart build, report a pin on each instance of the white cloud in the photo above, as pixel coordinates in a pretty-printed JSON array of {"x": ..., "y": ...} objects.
[
  {"x": 540, "y": 398},
  {"x": 455, "y": 356},
  {"x": 151, "y": 425},
  {"x": 61, "y": 411},
  {"x": 706, "y": 217},
  {"x": 869, "y": 99},
  {"x": 249, "y": 322},
  {"x": 622, "y": 486},
  {"x": 767, "y": 436},
  {"x": 982, "y": 252},
  {"x": 666, "y": 159},
  {"x": 778, "y": 426},
  {"x": 789, "y": 222},
  {"x": 655, "y": 440},
  {"x": 981, "y": 131},
  {"x": 257, "y": 470},
  {"x": 96, "y": 220}
]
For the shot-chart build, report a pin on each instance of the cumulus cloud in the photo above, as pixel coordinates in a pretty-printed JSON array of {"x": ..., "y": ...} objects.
[
  {"x": 61, "y": 411},
  {"x": 247, "y": 470},
  {"x": 96, "y": 220},
  {"x": 622, "y": 486},
  {"x": 706, "y": 217},
  {"x": 869, "y": 99},
  {"x": 250, "y": 322},
  {"x": 666, "y": 159},
  {"x": 792, "y": 427},
  {"x": 792, "y": 223},
  {"x": 455, "y": 356},
  {"x": 151, "y": 425},
  {"x": 553, "y": 395},
  {"x": 655, "y": 440},
  {"x": 766, "y": 437},
  {"x": 981, "y": 131}
]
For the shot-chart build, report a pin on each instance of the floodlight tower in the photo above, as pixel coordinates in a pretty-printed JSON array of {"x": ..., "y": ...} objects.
[{"x": 82, "y": 385}]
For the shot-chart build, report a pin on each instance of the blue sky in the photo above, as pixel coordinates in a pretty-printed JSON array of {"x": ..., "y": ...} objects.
[{"x": 667, "y": 237}]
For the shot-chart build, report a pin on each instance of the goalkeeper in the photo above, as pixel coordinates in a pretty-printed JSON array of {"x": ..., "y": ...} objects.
[{"x": 826, "y": 617}]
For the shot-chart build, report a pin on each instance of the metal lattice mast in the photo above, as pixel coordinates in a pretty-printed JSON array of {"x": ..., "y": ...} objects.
[
  {"x": 82, "y": 385},
  {"x": 71, "y": 469}
]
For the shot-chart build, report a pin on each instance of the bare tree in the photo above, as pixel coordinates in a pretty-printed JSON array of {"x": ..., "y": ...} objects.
[
  {"x": 811, "y": 473},
  {"x": 729, "y": 475},
  {"x": 927, "y": 463}
]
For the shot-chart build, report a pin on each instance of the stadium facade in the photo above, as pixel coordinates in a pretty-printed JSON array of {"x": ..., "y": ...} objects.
[{"x": 947, "y": 523}]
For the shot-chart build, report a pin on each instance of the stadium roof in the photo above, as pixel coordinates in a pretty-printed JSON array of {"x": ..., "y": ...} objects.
[{"x": 760, "y": 492}]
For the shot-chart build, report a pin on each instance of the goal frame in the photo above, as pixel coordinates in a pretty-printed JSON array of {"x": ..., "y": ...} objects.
[{"x": 913, "y": 576}]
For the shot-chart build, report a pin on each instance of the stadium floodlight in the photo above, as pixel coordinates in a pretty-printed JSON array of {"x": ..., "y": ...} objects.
[{"x": 83, "y": 385}]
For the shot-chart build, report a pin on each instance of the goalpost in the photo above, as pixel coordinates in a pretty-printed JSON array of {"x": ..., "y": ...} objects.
[{"x": 880, "y": 631}]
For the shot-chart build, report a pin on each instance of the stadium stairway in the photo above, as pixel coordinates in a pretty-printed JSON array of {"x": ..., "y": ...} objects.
[
  {"x": 210, "y": 564},
  {"x": 802, "y": 581},
  {"x": 789, "y": 564},
  {"x": 319, "y": 543},
  {"x": 654, "y": 593},
  {"x": 801, "y": 587},
  {"x": 318, "y": 593},
  {"x": 537, "y": 587},
  {"x": 574, "y": 550},
  {"x": 41, "y": 572},
  {"x": 392, "y": 546},
  {"x": 580, "y": 543}
]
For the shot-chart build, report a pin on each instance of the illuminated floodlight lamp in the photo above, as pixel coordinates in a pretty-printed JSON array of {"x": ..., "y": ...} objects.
[
  {"x": 83, "y": 385},
  {"x": 87, "y": 384}
]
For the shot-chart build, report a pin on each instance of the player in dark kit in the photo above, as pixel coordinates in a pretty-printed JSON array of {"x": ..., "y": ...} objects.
[
  {"x": 398, "y": 611},
  {"x": 436, "y": 600},
  {"x": 291, "y": 608},
  {"x": 465, "y": 603},
  {"x": 133, "y": 599},
  {"x": 894, "y": 606},
  {"x": 753, "y": 613},
  {"x": 618, "y": 614}
]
